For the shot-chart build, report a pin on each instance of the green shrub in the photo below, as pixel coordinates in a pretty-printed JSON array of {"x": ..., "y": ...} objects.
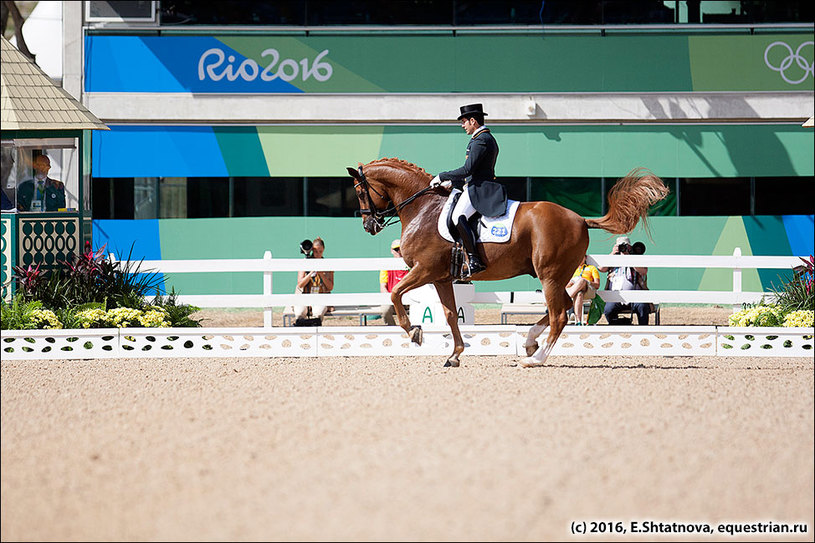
[
  {"x": 797, "y": 293},
  {"x": 90, "y": 291},
  {"x": 18, "y": 315}
]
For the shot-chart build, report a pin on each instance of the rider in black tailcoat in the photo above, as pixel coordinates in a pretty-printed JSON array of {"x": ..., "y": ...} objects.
[{"x": 481, "y": 194}]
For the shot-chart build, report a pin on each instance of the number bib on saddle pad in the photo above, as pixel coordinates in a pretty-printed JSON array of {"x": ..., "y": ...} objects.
[{"x": 490, "y": 229}]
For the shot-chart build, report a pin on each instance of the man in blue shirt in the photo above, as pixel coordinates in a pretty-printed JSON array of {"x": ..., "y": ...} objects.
[{"x": 50, "y": 192}]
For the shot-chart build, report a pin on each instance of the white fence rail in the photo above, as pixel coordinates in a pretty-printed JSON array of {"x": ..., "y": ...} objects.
[
  {"x": 338, "y": 341},
  {"x": 268, "y": 265}
]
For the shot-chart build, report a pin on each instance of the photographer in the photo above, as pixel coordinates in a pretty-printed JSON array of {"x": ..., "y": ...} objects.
[
  {"x": 312, "y": 282},
  {"x": 625, "y": 278}
]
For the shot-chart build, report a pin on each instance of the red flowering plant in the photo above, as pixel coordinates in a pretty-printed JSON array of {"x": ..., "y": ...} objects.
[
  {"x": 798, "y": 293},
  {"x": 29, "y": 279}
]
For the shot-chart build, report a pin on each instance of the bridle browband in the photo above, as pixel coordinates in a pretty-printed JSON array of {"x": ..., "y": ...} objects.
[{"x": 384, "y": 217}]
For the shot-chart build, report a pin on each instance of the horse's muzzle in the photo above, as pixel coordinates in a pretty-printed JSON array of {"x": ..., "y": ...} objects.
[{"x": 371, "y": 225}]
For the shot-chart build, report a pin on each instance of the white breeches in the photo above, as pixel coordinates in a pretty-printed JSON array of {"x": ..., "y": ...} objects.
[{"x": 463, "y": 207}]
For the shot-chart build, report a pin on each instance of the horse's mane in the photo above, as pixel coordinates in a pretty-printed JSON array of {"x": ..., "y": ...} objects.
[{"x": 399, "y": 164}]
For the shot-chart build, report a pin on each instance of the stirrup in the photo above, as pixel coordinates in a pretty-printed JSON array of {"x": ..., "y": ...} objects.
[{"x": 472, "y": 267}]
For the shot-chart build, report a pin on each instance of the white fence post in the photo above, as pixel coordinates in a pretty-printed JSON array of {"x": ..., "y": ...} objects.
[
  {"x": 737, "y": 278},
  {"x": 267, "y": 289}
]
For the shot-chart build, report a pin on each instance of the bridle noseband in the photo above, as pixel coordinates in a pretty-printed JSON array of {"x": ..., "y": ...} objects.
[{"x": 384, "y": 217}]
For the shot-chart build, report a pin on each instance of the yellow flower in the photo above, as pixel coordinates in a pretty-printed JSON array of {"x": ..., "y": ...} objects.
[
  {"x": 803, "y": 318},
  {"x": 46, "y": 319}
]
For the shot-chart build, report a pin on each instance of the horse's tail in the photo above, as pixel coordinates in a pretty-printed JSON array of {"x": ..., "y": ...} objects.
[{"x": 629, "y": 201}]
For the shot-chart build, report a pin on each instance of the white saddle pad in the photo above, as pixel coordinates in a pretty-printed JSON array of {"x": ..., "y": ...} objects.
[{"x": 490, "y": 229}]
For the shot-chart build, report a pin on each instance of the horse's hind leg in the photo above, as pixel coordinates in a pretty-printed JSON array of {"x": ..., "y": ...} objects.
[
  {"x": 447, "y": 297},
  {"x": 558, "y": 302},
  {"x": 531, "y": 344}
]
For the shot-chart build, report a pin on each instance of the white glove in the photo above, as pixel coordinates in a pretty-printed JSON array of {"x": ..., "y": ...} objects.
[
  {"x": 435, "y": 182},
  {"x": 447, "y": 184}
]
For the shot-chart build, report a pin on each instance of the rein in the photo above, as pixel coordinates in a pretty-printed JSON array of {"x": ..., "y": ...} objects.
[{"x": 387, "y": 216}]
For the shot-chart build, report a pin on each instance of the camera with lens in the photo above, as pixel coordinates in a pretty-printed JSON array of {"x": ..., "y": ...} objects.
[
  {"x": 622, "y": 248},
  {"x": 307, "y": 248}
]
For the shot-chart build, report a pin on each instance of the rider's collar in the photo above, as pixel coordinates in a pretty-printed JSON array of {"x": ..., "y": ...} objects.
[{"x": 480, "y": 129}]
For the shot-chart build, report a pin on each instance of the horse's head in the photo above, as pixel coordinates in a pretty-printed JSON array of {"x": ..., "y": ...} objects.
[{"x": 372, "y": 201}]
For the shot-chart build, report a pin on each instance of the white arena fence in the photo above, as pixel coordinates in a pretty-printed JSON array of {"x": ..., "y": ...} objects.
[
  {"x": 337, "y": 341},
  {"x": 268, "y": 265},
  {"x": 271, "y": 341}
]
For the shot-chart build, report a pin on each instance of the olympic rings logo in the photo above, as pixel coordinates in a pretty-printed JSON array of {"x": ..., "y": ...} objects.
[{"x": 792, "y": 56}]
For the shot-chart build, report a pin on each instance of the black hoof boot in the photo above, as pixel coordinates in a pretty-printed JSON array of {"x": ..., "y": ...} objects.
[{"x": 416, "y": 335}]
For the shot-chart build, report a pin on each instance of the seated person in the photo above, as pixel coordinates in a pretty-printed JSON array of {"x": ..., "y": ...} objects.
[
  {"x": 583, "y": 286},
  {"x": 625, "y": 278},
  {"x": 388, "y": 279},
  {"x": 311, "y": 283},
  {"x": 48, "y": 193}
]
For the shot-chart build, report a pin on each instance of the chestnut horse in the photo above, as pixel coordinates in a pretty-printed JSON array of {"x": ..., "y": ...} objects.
[{"x": 547, "y": 241}]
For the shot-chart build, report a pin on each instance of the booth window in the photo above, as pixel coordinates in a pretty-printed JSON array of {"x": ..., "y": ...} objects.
[{"x": 40, "y": 174}]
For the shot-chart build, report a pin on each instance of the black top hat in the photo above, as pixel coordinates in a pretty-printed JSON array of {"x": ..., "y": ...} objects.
[{"x": 471, "y": 109}]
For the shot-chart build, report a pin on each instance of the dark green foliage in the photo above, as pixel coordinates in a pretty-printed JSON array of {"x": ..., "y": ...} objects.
[
  {"x": 89, "y": 280},
  {"x": 798, "y": 293},
  {"x": 178, "y": 314}
]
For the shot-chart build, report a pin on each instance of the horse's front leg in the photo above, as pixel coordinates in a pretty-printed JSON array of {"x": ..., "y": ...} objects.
[
  {"x": 447, "y": 296},
  {"x": 415, "y": 278}
]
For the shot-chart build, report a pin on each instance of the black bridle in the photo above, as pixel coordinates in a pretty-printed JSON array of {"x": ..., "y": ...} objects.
[{"x": 382, "y": 217}]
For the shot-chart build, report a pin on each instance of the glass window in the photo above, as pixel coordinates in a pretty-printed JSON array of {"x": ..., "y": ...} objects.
[
  {"x": 267, "y": 197},
  {"x": 194, "y": 12},
  {"x": 204, "y": 197},
  {"x": 331, "y": 197},
  {"x": 714, "y": 196},
  {"x": 582, "y": 195},
  {"x": 40, "y": 174},
  {"x": 785, "y": 196},
  {"x": 476, "y": 12},
  {"x": 207, "y": 197}
]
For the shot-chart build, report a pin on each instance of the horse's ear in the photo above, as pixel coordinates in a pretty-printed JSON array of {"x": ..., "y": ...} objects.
[{"x": 353, "y": 173}]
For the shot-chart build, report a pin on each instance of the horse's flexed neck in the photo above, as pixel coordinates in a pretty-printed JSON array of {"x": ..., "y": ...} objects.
[
  {"x": 393, "y": 186},
  {"x": 399, "y": 178}
]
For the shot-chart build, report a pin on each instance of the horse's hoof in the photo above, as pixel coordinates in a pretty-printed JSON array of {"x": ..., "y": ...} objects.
[
  {"x": 530, "y": 349},
  {"x": 416, "y": 334},
  {"x": 530, "y": 362},
  {"x": 452, "y": 363}
]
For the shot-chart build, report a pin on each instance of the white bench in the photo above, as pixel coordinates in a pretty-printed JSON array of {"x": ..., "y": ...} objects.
[
  {"x": 362, "y": 311},
  {"x": 540, "y": 308}
]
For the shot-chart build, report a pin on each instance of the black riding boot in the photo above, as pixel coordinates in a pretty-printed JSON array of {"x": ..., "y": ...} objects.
[{"x": 468, "y": 239}]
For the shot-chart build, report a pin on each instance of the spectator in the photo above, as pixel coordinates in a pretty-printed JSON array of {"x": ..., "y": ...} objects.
[
  {"x": 625, "y": 278},
  {"x": 313, "y": 282},
  {"x": 388, "y": 279},
  {"x": 583, "y": 286},
  {"x": 41, "y": 193}
]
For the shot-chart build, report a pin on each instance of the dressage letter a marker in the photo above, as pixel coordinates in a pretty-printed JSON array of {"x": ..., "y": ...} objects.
[{"x": 428, "y": 314}]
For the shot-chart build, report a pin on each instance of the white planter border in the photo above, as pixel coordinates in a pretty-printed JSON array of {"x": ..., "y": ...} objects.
[{"x": 333, "y": 341}]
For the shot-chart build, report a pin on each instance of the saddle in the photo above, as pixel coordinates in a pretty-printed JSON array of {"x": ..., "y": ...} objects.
[{"x": 488, "y": 229}]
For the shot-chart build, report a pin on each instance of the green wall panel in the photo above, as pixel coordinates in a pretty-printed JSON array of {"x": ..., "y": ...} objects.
[
  {"x": 242, "y": 151},
  {"x": 318, "y": 151},
  {"x": 599, "y": 151}
]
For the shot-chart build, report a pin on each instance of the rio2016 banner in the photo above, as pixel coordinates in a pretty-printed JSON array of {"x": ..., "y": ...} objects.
[{"x": 464, "y": 63}]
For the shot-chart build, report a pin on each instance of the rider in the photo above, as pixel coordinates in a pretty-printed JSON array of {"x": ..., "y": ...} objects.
[{"x": 481, "y": 194}]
